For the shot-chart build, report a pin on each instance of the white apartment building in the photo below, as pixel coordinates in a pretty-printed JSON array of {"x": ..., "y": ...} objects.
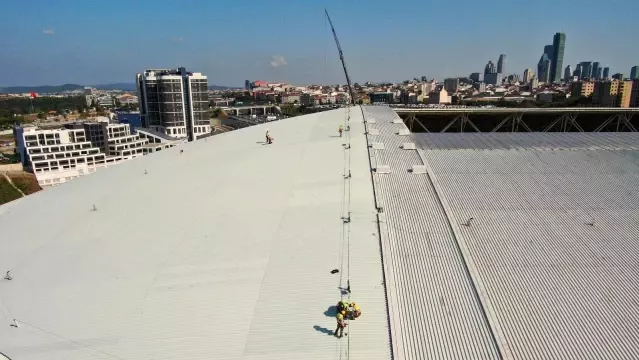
[{"x": 59, "y": 155}]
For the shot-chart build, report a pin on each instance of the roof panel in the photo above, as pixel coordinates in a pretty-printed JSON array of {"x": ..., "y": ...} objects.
[{"x": 222, "y": 250}]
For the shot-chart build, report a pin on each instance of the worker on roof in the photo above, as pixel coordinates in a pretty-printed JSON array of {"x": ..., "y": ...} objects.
[
  {"x": 354, "y": 311},
  {"x": 341, "y": 128},
  {"x": 341, "y": 324},
  {"x": 269, "y": 138},
  {"x": 342, "y": 306}
]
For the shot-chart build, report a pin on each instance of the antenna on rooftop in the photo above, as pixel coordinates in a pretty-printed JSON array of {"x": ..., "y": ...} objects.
[
  {"x": 468, "y": 222},
  {"x": 8, "y": 276},
  {"x": 94, "y": 208}
]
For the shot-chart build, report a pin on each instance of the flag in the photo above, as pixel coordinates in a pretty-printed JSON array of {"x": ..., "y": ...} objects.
[{"x": 34, "y": 95}]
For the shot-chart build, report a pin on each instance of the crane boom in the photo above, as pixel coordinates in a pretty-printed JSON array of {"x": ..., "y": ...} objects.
[{"x": 341, "y": 58}]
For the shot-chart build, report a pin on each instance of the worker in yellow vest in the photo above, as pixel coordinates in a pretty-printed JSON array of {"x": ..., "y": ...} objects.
[
  {"x": 354, "y": 311},
  {"x": 341, "y": 129}
]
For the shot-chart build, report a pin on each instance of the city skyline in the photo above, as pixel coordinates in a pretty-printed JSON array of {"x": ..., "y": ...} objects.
[{"x": 71, "y": 43}]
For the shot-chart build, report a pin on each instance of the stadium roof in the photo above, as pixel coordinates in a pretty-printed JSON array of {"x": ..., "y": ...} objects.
[{"x": 225, "y": 250}]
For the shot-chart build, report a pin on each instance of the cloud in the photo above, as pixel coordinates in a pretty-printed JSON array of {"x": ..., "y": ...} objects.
[
  {"x": 277, "y": 61},
  {"x": 48, "y": 31}
]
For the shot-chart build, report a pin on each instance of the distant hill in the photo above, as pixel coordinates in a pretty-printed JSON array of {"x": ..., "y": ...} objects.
[{"x": 70, "y": 87}]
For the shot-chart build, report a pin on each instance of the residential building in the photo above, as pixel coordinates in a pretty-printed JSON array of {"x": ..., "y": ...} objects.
[
  {"x": 634, "y": 72},
  {"x": 615, "y": 93},
  {"x": 451, "y": 84},
  {"x": 501, "y": 64},
  {"x": 634, "y": 94},
  {"x": 291, "y": 98},
  {"x": 306, "y": 99},
  {"x": 528, "y": 75},
  {"x": 595, "y": 70},
  {"x": 381, "y": 97},
  {"x": 439, "y": 97},
  {"x": 557, "y": 61},
  {"x": 59, "y": 155},
  {"x": 606, "y": 73},
  {"x": 567, "y": 74},
  {"x": 427, "y": 87},
  {"x": 128, "y": 99},
  {"x": 582, "y": 88},
  {"x": 174, "y": 102},
  {"x": 105, "y": 101}
]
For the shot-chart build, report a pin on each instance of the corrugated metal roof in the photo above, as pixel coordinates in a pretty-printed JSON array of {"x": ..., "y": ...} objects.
[
  {"x": 223, "y": 251},
  {"x": 555, "y": 240},
  {"x": 505, "y": 140},
  {"x": 434, "y": 311}
]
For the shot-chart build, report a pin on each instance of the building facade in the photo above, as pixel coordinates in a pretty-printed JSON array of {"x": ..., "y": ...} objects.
[
  {"x": 451, "y": 85},
  {"x": 615, "y": 93},
  {"x": 174, "y": 102},
  {"x": 634, "y": 94},
  {"x": 58, "y": 155},
  {"x": 634, "y": 72},
  {"x": 606, "y": 73},
  {"x": 582, "y": 88},
  {"x": 595, "y": 70},
  {"x": 501, "y": 64},
  {"x": 586, "y": 70},
  {"x": 567, "y": 73},
  {"x": 528, "y": 75},
  {"x": 557, "y": 61},
  {"x": 490, "y": 68}
]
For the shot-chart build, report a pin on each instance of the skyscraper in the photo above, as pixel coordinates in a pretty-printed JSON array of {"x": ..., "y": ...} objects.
[
  {"x": 606, "y": 73},
  {"x": 174, "y": 102},
  {"x": 545, "y": 76},
  {"x": 247, "y": 85},
  {"x": 528, "y": 75},
  {"x": 577, "y": 72},
  {"x": 634, "y": 72},
  {"x": 490, "y": 68},
  {"x": 567, "y": 73},
  {"x": 547, "y": 55},
  {"x": 595, "y": 70},
  {"x": 501, "y": 64},
  {"x": 599, "y": 72},
  {"x": 586, "y": 70},
  {"x": 557, "y": 61}
]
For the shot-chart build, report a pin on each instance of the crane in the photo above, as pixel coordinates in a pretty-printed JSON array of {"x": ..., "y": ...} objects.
[{"x": 341, "y": 58}]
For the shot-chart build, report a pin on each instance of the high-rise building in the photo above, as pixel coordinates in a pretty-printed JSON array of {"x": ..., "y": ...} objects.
[
  {"x": 543, "y": 63},
  {"x": 476, "y": 77},
  {"x": 606, "y": 73},
  {"x": 618, "y": 76},
  {"x": 174, "y": 102},
  {"x": 613, "y": 93},
  {"x": 451, "y": 85},
  {"x": 534, "y": 83},
  {"x": 586, "y": 70},
  {"x": 599, "y": 73},
  {"x": 492, "y": 78},
  {"x": 247, "y": 85},
  {"x": 567, "y": 73},
  {"x": 595, "y": 69},
  {"x": 634, "y": 72},
  {"x": 557, "y": 61},
  {"x": 490, "y": 68},
  {"x": 528, "y": 75},
  {"x": 577, "y": 72},
  {"x": 501, "y": 64},
  {"x": 544, "y": 69}
]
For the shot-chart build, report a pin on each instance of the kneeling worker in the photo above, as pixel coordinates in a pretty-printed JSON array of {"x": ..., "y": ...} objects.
[
  {"x": 342, "y": 305},
  {"x": 355, "y": 311}
]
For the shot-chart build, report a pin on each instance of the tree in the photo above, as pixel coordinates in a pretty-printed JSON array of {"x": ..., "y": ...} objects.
[{"x": 41, "y": 115}]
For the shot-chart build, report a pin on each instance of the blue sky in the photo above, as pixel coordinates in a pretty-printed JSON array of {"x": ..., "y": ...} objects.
[{"x": 96, "y": 42}]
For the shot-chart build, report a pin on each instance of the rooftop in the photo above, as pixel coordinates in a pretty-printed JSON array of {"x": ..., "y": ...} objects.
[{"x": 464, "y": 246}]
